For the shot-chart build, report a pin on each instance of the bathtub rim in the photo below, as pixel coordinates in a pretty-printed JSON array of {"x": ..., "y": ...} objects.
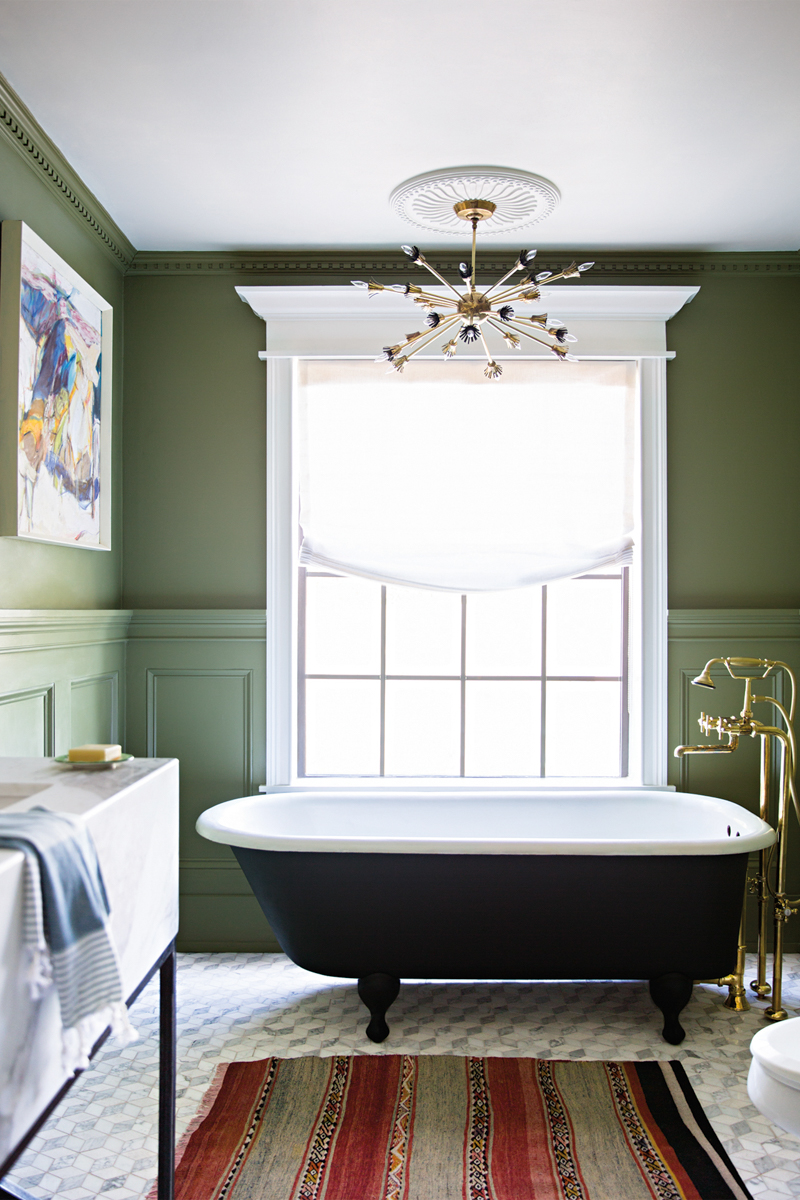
[{"x": 215, "y": 824}]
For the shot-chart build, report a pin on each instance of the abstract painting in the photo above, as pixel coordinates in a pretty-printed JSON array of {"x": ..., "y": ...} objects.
[{"x": 55, "y": 397}]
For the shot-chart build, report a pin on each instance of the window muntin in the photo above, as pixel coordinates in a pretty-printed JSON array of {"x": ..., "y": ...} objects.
[{"x": 402, "y": 682}]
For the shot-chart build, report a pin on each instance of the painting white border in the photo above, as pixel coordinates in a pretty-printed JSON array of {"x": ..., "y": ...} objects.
[{"x": 14, "y": 234}]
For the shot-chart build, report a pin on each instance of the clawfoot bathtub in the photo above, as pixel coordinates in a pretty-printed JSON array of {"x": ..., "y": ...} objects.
[{"x": 555, "y": 884}]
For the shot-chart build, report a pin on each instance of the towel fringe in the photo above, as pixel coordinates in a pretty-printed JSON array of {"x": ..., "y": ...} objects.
[
  {"x": 37, "y": 970},
  {"x": 77, "y": 1041}
]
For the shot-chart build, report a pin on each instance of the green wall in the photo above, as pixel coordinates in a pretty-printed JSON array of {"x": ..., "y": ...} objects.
[
  {"x": 734, "y": 446},
  {"x": 195, "y": 427},
  {"x": 40, "y": 576},
  {"x": 195, "y": 486}
]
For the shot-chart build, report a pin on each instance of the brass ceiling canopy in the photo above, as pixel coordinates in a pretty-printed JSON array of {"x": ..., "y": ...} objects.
[
  {"x": 474, "y": 210},
  {"x": 505, "y": 200}
]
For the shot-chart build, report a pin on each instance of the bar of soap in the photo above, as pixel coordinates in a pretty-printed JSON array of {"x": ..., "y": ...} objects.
[{"x": 95, "y": 753}]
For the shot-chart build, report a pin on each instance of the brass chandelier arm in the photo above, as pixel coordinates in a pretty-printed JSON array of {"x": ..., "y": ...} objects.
[
  {"x": 570, "y": 272},
  {"x": 425, "y": 339},
  {"x": 492, "y": 370},
  {"x": 434, "y": 301},
  {"x": 519, "y": 329},
  {"x": 486, "y": 348},
  {"x": 495, "y": 323},
  {"x": 511, "y": 339},
  {"x": 430, "y": 335},
  {"x": 500, "y": 282},
  {"x": 423, "y": 262},
  {"x": 512, "y": 293}
]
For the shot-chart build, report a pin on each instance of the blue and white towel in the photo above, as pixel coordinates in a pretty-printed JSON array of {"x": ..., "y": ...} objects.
[{"x": 65, "y": 928}]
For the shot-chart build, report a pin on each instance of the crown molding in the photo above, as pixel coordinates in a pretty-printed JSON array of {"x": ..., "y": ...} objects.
[
  {"x": 20, "y": 128},
  {"x": 339, "y": 266}
]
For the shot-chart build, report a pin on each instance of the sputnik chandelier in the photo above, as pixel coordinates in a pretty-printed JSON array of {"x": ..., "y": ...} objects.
[{"x": 509, "y": 199}]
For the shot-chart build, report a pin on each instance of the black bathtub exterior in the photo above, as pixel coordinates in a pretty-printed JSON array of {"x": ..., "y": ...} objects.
[{"x": 502, "y": 916}]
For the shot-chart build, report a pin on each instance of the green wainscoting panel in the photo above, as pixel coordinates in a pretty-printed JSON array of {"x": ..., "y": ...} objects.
[
  {"x": 203, "y": 717},
  {"x": 94, "y": 709},
  {"x": 695, "y": 636},
  {"x": 26, "y": 723},
  {"x": 196, "y": 684},
  {"x": 61, "y": 673}
]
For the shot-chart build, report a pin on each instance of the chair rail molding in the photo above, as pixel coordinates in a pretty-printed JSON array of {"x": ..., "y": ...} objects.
[
  {"x": 693, "y": 623},
  {"x": 247, "y": 624},
  {"x": 54, "y": 628}
]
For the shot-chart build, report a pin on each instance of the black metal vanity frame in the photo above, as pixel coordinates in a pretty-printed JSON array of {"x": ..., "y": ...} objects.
[{"x": 165, "y": 965}]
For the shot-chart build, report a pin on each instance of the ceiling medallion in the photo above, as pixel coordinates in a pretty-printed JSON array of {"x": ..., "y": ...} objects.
[{"x": 505, "y": 200}]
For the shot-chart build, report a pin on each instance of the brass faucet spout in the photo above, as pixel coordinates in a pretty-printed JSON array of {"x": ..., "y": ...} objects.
[{"x": 681, "y": 750}]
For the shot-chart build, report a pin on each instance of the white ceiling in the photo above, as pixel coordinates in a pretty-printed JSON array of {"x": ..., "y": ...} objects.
[{"x": 245, "y": 124}]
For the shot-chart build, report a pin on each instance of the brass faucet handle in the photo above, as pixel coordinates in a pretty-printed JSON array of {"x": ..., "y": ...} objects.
[{"x": 710, "y": 725}]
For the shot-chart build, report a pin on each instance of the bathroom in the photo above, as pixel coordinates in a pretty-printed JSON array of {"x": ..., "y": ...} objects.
[{"x": 176, "y": 608}]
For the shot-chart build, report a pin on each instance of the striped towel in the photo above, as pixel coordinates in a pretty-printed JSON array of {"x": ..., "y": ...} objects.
[{"x": 65, "y": 928}]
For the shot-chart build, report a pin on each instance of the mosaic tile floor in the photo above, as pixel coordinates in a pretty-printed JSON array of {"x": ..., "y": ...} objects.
[{"x": 102, "y": 1141}]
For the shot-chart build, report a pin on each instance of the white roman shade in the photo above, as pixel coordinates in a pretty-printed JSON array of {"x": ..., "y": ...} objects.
[{"x": 440, "y": 479}]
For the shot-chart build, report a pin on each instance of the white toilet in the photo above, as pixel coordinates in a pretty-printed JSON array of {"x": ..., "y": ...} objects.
[{"x": 773, "y": 1084}]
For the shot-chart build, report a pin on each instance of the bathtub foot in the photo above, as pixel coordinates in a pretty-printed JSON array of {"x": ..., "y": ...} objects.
[
  {"x": 378, "y": 991},
  {"x": 672, "y": 992}
]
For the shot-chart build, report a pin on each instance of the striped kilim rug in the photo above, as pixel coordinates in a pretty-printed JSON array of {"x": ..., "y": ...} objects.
[{"x": 397, "y": 1127}]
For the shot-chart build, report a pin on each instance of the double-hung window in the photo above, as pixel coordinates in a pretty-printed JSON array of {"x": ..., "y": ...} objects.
[{"x": 466, "y": 579}]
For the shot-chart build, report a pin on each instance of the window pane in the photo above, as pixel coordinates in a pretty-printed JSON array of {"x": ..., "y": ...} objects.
[
  {"x": 504, "y": 634},
  {"x": 343, "y": 626},
  {"x": 502, "y": 728},
  {"x": 343, "y": 727},
  {"x": 584, "y": 627},
  {"x": 423, "y": 632},
  {"x": 582, "y": 729},
  {"x": 423, "y": 727}
]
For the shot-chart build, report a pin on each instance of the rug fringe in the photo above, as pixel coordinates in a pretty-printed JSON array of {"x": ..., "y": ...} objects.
[{"x": 206, "y": 1104}]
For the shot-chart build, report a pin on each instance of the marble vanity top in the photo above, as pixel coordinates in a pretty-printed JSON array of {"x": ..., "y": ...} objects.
[{"x": 131, "y": 811}]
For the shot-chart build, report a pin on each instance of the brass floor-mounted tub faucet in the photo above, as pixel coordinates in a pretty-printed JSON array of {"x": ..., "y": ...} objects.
[{"x": 732, "y": 728}]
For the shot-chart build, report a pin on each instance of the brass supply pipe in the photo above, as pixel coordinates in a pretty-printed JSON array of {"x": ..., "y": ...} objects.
[
  {"x": 758, "y": 885},
  {"x": 782, "y": 909},
  {"x": 737, "y": 995},
  {"x": 793, "y": 740}
]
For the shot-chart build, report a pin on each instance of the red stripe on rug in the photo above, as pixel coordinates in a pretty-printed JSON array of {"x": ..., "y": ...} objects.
[
  {"x": 659, "y": 1140},
  {"x": 219, "y": 1141},
  {"x": 521, "y": 1166},
  {"x": 360, "y": 1160}
]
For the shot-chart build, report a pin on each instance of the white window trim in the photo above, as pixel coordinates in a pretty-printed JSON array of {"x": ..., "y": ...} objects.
[{"x": 613, "y": 323}]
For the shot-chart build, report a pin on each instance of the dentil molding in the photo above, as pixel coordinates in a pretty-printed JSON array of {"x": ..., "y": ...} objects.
[
  {"x": 21, "y": 129},
  {"x": 339, "y": 266}
]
